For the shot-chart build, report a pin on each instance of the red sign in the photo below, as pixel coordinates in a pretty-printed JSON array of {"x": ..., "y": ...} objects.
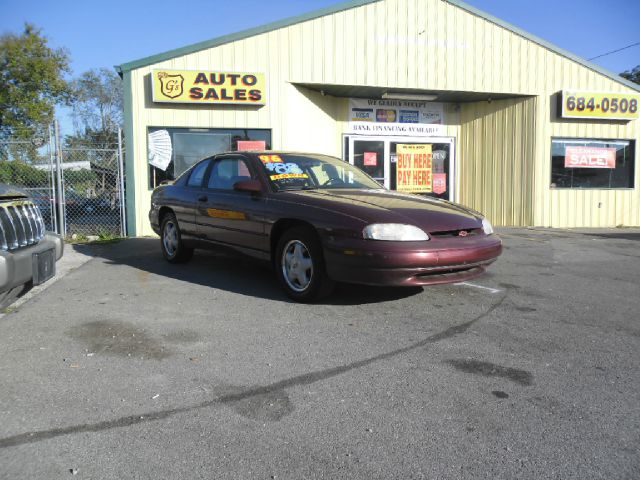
[
  {"x": 439, "y": 183},
  {"x": 589, "y": 157},
  {"x": 248, "y": 145},
  {"x": 370, "y": 159}
]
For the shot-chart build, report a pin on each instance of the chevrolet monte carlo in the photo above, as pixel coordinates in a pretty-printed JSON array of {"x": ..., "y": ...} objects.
[{"x": 319, "y": 220}]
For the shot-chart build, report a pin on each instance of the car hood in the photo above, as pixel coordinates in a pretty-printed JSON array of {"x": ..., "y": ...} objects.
[
  {"x": 8, "y": 192},
  {"x": 384, "y": 206}
]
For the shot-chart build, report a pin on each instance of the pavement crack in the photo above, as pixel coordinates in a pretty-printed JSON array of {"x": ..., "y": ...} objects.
[{"x": 273, "y": 390}]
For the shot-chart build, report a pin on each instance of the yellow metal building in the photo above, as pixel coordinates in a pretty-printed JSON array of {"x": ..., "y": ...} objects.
[{"x": 506, "y": 112}]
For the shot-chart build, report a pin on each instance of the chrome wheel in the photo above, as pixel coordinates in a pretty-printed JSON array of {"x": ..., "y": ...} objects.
[
  {"x": 173, "y": 248},
  {"x": 170, "y": 238},
  {"x": 297, "y": 265}
]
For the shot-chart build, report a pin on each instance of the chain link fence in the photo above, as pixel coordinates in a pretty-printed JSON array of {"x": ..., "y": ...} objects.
[
  {"x": 78, "y": 190},
  {"x": 92, "y": 196}
]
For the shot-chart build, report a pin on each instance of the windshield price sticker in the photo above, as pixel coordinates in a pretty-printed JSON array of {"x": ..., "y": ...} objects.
[
  {"x": 270, "y": 159},
  {"x": 613, "y": 106},
  {"x": 283, "y": 168},
  {"x": 289, "y": 175}
]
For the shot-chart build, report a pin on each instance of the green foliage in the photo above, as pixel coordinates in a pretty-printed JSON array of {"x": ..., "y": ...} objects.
[
  {"x": 97, "y": 109},
  {"x": 103, "y": 237},
  {"x": 22, "y": 174},
  {"x": 633, "y": 75},
  {"x": 19, "y": 173},
  {"x": 80, "y": 181},
  {"x": 31, "y": 81}
]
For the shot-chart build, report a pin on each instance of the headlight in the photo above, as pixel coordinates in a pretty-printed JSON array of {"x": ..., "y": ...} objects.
[
  {"x": 394, "y": 232},
  {"x": 486, "y": 226}
]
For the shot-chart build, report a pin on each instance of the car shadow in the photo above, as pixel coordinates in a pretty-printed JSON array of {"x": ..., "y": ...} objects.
[{"x": 228, "y": 271}]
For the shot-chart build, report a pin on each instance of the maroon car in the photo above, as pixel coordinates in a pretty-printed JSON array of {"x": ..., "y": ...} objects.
[{"x": 319, "y": 220}]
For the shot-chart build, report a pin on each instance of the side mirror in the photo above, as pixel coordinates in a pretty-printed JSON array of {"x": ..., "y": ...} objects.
[{"x": 253, "y": 186}]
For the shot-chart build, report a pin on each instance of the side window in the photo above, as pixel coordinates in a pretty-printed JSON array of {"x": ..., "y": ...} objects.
[
  {"x": 197, "y": 174},
  {"x": 228, "y": 171}
]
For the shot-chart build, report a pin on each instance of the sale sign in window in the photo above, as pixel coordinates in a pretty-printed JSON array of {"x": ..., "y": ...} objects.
[
  {"x": 589, "y": 157},
  {"x": 414, "y": 172}
]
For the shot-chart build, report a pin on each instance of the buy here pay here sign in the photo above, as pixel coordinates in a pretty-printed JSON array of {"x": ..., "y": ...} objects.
[{"x": 414, "y": 171}]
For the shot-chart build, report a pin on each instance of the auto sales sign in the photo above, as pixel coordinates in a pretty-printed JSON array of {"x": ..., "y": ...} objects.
[{"x": 206, "y": 88}]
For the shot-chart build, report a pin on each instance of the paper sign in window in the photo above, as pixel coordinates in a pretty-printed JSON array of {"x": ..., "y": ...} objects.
[
  {"x": 370, "y": 159},
  {"x": 414, "y": 168},
  {"x": 439, "y": 183},
  {"x": 251, "y": 145},
  {"x": 589, "y": 157}
]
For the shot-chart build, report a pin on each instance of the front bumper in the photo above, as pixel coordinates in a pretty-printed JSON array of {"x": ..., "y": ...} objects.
[
  {"x": 437, "y": 261},
  {"x": 16, "y": 266}
]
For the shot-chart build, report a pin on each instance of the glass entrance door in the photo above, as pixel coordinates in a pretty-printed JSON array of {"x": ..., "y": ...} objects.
[
  {"x": 378, "y": 157},
  {"x": 368, "y": 154}
]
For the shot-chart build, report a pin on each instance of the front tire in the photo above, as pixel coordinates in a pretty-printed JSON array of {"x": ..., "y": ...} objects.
[
  {"x": 300, "y": 266},
  {"x": 171, "y": 243}
]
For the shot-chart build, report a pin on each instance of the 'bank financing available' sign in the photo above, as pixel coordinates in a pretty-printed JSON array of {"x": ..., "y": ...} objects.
[
  {"x": 396, "y": 117},
  {"x": 202, "y": 87}
]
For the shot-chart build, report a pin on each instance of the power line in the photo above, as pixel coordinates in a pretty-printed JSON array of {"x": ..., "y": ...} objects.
[{"x": 615, "y": 51}]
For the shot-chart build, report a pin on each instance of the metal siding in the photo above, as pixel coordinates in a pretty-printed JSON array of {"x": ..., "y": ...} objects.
[
  {"x": 495, "y": 159},
  {"x": 425, "y": 44}
]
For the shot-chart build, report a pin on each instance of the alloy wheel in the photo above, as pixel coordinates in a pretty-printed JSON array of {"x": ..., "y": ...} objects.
[{"x": 297, "y": 265}]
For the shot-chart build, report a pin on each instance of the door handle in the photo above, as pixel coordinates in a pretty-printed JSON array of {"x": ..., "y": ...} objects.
[{"x": 202, "y": 198}]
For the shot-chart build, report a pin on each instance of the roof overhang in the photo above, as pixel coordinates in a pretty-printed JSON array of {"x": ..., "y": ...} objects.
[{"x": 363, "y": 91}]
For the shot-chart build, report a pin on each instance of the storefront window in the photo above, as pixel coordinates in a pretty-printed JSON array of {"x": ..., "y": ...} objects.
[
  {"x": 189, "y": 145},
  {"x": 587, "y": 163}
]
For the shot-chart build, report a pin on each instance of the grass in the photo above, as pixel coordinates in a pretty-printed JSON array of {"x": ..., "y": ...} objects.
[{"x": 102, "y": 238}]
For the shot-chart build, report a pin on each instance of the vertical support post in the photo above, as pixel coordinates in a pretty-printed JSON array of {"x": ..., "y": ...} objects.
[
  {"x": 60, "y": 179},
  {"x": 52, "y": 195},
  {"x": 123, "y": 215}
]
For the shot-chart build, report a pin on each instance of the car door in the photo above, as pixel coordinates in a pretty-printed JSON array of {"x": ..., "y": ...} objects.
[
  {"x": 185, "y": 202},
  {"x": 229, "y": 216}
]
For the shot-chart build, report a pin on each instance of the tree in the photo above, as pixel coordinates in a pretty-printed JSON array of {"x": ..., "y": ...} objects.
[
  {"x": 97, "y": 109},
  {"x": 633, "y": 75},
  {"x": 31, "y": 81}
]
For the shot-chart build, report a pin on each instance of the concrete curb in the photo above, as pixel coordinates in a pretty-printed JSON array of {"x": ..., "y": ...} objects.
[{"x": 74, "y": 257}]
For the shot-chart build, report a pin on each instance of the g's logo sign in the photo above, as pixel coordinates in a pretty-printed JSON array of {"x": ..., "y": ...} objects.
[
  {"x": 171, "y": 86},
  {"x": 205, "y": 87}
]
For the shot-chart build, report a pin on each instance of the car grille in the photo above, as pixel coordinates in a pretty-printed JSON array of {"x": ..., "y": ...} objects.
[
  {"x": 457, "y": 233},
  {"x": 21, "y": 225}
]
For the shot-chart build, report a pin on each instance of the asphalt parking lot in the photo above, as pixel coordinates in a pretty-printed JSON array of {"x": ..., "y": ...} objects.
[{"x": 128, "y": 367}]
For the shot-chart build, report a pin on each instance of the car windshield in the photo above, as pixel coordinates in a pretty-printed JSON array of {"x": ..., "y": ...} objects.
[{"x": 307, "y": 172}]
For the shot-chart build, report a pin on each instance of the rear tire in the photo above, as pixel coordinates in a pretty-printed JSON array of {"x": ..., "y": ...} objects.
[
  {"x": 300, "y": 267},
  {"x": 171, "y": 243}
]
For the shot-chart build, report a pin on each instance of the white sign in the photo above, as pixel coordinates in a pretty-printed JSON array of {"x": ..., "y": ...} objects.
[
  {"x": 395, "y": 111},
  {"x": 399, "y": 129},
  {"x": 393, "y": 117}
]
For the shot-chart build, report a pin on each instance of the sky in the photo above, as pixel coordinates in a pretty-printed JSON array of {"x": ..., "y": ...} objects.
[{"x": 104, "y": 34}]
